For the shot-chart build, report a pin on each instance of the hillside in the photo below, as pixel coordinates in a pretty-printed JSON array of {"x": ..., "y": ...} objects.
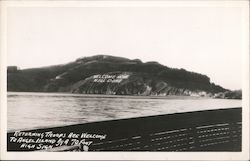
[{"x": 102, "y": 74}]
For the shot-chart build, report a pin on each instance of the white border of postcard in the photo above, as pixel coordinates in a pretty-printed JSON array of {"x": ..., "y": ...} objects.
[{"x": 244, "y": 155}]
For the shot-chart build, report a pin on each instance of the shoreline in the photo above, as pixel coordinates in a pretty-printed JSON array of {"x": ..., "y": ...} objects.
[{"x": 115, "y": 96}]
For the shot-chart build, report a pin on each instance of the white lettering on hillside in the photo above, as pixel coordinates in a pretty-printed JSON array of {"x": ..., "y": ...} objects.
[{"x": 110, "y": 78}]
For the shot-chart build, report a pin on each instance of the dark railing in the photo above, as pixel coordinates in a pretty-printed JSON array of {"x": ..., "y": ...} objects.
[{"x": 211, "y": 130}]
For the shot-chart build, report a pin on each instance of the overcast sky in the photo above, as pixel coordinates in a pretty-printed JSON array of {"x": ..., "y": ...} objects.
[{"x": 206, "y": 40}]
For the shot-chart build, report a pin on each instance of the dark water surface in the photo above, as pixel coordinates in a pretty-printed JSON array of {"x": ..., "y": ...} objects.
[{"x": 28, "y": 110}]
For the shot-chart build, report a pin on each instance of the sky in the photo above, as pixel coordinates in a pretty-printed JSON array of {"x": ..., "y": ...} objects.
[{"x": 207, "y": 40}]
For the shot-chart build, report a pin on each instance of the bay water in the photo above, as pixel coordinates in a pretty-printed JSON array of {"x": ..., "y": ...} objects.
[{"x": 28, "y": 110}]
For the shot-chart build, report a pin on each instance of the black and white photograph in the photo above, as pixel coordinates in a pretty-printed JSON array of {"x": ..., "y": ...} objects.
[{"x": 125, "y": 76}]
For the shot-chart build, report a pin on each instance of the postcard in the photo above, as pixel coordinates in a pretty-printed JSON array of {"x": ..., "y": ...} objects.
[{"x": 125, "y": 80}]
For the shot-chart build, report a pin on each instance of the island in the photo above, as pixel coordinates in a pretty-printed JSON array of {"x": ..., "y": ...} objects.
[{"x": 104, "y": 74}]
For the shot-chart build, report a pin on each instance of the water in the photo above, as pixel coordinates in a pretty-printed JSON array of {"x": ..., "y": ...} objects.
[{"x": 36, "y": 110}]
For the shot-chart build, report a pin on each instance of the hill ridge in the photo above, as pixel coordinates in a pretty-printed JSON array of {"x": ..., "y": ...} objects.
[{"x": 145, "y": 78}]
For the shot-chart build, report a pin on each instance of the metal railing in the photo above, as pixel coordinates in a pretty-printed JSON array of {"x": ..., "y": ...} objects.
[{"x": 212, "y": 130}]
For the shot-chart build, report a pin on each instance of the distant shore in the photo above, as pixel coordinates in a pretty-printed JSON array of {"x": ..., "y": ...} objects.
[{"x": 117, "y": 96}]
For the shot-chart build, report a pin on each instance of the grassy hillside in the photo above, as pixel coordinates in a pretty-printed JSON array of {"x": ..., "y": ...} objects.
[{"x": 150, "y": 78}]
